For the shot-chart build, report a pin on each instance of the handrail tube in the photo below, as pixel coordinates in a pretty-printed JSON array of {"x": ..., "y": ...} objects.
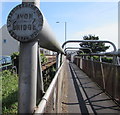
[
  {"x": 75, "y": 51},
  {"x": 40, "y": 108},
  {"x": 71, "y": 48},
  {"x": 92, "y": 41},
  {"x": 101, "y": 54},
  {"x": 77, "y": 48},
  {"x": 47, "y": 38}
]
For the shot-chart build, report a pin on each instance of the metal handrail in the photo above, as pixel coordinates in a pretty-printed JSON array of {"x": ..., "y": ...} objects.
[
  {"x": 102, "y": 54},
  {"x": 91, "y": 41},
  {"x": 30, "y": 70},
  {"x": 47, "y": 38},
  {"x": 71, "y": 48},
  {"x": 113, "y": 54},
  {"x": 42, "y": 105},
  {"x": 77, "y": 48}
]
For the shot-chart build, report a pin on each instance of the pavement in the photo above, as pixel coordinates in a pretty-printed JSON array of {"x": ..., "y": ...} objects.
[{"x": 83, "y": 96}]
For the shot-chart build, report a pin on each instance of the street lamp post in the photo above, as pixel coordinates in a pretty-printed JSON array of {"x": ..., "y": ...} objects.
[
  {"x": 65, "y": 31},
  {"x": 65, "y": 27}
]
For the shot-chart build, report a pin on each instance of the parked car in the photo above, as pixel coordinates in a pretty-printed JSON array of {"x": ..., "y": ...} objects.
[{"x": 5, "y": 60}]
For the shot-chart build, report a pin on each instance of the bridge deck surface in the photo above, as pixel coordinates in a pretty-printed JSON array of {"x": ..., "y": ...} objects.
[{"x": 84, "y": 96}]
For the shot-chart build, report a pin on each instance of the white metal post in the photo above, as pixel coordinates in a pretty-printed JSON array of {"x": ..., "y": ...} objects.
[
  {"x": 102, "y": 70},
  {"x": 58, "y": 61},
  {"x": 40, "y": 85},
  {"x": 28, "y": 74},
  {"x": 27, "y": 77},
  {"x": 65, "y": 32},
  {"x": 35, "y": 2},
  {"x": 26, "y": 24}
]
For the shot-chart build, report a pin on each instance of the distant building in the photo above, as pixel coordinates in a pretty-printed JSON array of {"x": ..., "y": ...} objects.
[
  {"x": 46, "y": 52},
  {"x": 8, "y": 44}
]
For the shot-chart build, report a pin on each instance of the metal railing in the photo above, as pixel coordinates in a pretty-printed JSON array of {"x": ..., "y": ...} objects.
[
  {"x": 91, "y": 41},
  {"x": 30, "y": 69},
  {"x": 51, "y": 101},
  {"x": 97, "y": 41},
  {"x": 106, "y": 75},
  {"x": 72, "y": 54},
  {"x": 75, "y": 48},
  {"x": 111, "y": 54}
]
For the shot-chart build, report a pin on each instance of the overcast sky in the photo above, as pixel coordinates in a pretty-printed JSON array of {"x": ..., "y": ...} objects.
[{"x": 83, "y": 18}]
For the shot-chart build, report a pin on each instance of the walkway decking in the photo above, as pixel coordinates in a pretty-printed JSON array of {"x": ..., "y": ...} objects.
[{"x": 84, "y": 96}]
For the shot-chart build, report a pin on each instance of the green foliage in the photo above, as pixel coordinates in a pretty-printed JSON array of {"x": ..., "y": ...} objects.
[
  {"x": 104, "y": 59},
  {"x": 15, "y": 55},
  {"x": 96, "y": 58},
  {"x": 15, "y": 60},
  {"x": 95, "y": 47},
  {"x": 43, "y": 58},
  {"x": 48, "y": 76},
  {"x": 9, "y": 92},
  {"x": 107, "y": 59},
  {"x": 10, "y": 87}
]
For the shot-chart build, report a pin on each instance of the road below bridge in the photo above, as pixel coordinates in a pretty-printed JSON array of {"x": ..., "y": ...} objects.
[{"x": 82, "y": 95}]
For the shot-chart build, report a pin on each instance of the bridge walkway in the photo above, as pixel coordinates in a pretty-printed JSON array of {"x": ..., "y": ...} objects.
[{"x": 84, "y": 96}]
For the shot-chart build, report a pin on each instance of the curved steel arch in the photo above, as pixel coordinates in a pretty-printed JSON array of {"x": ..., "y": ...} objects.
[{"x": 92, "y": 41}]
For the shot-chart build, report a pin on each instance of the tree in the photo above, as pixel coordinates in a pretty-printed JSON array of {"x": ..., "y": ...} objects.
[{"x": 95, "y": 47}]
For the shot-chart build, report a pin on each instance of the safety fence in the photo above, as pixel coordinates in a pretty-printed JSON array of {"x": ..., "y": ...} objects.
[
  {"x": 106, "y": 75},
  {"x": 51, "y": 101}
]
